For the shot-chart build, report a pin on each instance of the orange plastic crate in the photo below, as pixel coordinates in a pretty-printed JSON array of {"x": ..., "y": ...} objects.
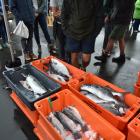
[
  {"x": 75, "y": 72},
  {"x": 66, "y": 98},
  {"x": 117, "y": 121},
  {"x": 31, "y": 115},
  {"x": 134, "y": 129}
]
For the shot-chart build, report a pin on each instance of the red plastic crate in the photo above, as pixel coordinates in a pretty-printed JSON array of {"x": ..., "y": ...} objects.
[
  {"x": 75, "y": 72},
  {"x": 31, "y": 115},
  {"x": 134, "y": 129},
  {"x": 66, "y": 98},
  {"x": 117, "y": 121}
]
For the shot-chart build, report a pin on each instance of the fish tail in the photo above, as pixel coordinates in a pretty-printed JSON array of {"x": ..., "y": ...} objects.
[
  {"x": 77, "y": 135},
  {"x": 85, "y": 128}
]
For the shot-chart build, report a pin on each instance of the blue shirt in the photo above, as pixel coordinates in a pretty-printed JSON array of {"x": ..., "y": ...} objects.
[{"x": 23, "y": 10}]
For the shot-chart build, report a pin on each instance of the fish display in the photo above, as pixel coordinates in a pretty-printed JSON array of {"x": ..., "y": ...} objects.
[
  {"x": 71, "y": 126},
  {"x": 107, "y": 98},
  {"x": 32, "y": 84},
  {"x": 58, "y": 71}
]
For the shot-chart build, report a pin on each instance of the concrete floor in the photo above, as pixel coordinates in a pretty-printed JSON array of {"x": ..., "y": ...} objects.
[{"x": 13, "y": 124}]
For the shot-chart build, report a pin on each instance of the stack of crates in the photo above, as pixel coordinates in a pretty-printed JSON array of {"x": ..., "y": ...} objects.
[{"x": 64, "y": 94}]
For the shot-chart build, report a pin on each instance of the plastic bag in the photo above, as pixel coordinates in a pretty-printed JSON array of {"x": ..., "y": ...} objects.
[{"x": 21, "y": 30}]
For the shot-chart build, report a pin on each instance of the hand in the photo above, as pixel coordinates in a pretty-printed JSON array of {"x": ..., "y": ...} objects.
[
  {"x": 106, "y": 19},
  {"x": 36, "y": 14}
]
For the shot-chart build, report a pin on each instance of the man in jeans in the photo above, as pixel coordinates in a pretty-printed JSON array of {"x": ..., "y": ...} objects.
[
  {"x": 41, "y": 10},
  {"x": 24, "y": 11}
]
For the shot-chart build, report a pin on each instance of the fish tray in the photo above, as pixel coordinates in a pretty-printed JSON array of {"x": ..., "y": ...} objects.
[
  {"x": 131, "y": 100},
  {"x": 42, "y": 66},
  {"x": 14, "y": 76},
  {"x": 134, "y": 129},
  {"x": 66, "y": 98},
  {"x": 31, "y": 115}
]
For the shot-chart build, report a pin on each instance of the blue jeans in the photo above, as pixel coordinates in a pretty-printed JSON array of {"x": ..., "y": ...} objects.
[
  {"x": 3, "y": 31},
  {"x": 41, "y": 19}
]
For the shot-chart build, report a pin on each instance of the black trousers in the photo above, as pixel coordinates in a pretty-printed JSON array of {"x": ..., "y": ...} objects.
[{"x": 27, "y": 44}]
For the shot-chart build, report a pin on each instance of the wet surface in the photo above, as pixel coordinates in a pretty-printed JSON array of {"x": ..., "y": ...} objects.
[{"x": 15, "y": 126}]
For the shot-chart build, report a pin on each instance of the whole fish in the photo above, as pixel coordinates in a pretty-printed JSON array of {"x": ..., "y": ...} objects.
[
  {"x": 69, "y": 124},
  {"x": 74, "y": 114},
  {"x": 106, "y": 95},
  {"x": 57, "y": 124},
  {"x": 34, "y": 84},
  {"x": 59, "y": 68},
  {"x": 56, "y": 77},
  {"x": 100, "y": 92}
]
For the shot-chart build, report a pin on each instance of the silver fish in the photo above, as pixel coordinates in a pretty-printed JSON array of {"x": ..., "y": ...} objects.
[
  {"x": 56, "y": 77},
  {"x": 34, "y": 85},
  {"x": 74, "y": 115},
  {"x": 106, "y": 95},
  {"x": 57, "y": 124},
  {"x": 60, "y": 68},
  {"x": 69, "y": 124}
]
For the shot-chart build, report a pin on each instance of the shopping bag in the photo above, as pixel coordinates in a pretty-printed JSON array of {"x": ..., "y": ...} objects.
[{"x": 21, "y": 30}]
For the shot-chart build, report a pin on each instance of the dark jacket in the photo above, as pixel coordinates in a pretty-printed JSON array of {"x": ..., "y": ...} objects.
[
  {"x": 79, "y": 17},
  {"x": 42, "y": 6},
  {"x": 23, "y": 10},
  {"x": 122, "y": 11}
]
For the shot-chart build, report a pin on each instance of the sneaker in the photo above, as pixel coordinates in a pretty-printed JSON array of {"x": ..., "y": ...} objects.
[
  {"x": 120, "y": 59},
  {"x": 27, "y": 57},
  {"x": 102, "y": 58},
  {"x": 33, "y": 56}
]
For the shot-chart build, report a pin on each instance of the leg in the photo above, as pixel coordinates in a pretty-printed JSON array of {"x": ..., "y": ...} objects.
[
  {"x": 86, "y": 59},
  {"x": 73, "y": 48},
  {"x": 43, "y": 24},
  {"x": 108, "y": 29},
  {"x": 36, "y": 31},
  {"x": 60, "y": 39},
  {"x": 74, "y": 59},
  {"x": 122, "y": 46},
  {"x": 29, "y": 40}
]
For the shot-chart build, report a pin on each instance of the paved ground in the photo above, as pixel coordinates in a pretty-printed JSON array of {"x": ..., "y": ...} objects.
[{"x": 14, "y": 126}]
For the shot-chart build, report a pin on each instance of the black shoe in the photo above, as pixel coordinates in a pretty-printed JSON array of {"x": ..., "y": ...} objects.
[
  {"x": 102, "y": 58},
  {"x": 120, "y": 59}
]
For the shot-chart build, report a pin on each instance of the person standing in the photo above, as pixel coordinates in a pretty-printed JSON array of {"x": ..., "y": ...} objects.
[
  {"x": 136, "y": 17},
  {"x": 41, "y": 11},
  {"x": 3, "y": 36},
  {"x": 56, "y": 6},
  {"x": 23, "y": 10},
  {"x": 80, "y": 21},
  {"x": 120, "y": 18}
]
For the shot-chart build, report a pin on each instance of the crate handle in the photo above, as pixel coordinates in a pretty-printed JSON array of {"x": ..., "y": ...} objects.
[
  {"x": 50, "y": 100},
  {"x": 81, "y": 79}
]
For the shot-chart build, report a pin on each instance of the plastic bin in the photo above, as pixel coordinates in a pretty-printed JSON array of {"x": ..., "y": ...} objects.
[
  {"x": 134, "y": 129},
  {"x": 42, "y": 66},
  {"x": 119, "y": 122},
  {"x": 14, "y": 76},
  {"x": 66, "y": 98},
  {"x": 31, "y": 115}
]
